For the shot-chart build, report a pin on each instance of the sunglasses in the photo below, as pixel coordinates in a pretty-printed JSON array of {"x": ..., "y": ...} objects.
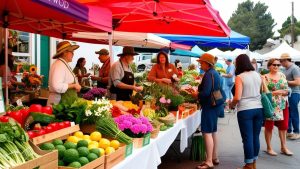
[{"x": 278, "y": 65}]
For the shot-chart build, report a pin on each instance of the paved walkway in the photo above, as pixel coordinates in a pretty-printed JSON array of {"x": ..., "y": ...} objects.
[{"x": 231, "y": 151}]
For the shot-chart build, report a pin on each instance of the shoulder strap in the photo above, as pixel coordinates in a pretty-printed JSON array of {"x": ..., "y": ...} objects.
[{"x": 68, "y": 69}]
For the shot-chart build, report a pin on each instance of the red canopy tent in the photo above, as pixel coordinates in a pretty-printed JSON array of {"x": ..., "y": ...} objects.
[
  {"x": 193, "y": 17},
  {"x": 53, "y": 18}
]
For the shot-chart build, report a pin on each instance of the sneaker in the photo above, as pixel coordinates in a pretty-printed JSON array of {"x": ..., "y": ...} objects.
[
  {"x": 289, "y": 135},
  {"x": 295, "y": 137}
]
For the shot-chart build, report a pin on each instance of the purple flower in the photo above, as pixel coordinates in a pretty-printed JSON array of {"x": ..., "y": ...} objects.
[
  {"x": 121, "y": 126},
  {"x": 135, "y": 129},
  {"x": 143, "y": 128},
  {"x": 127, "y": 123}
]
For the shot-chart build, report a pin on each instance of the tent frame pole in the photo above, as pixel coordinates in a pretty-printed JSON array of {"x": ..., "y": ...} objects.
[
  {"x": 6, "y": 65},
  {"x": 110, "y": 42}
]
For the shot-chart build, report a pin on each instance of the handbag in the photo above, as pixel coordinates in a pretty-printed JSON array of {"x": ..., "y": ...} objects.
[
  {"x": 217, "y": 97},
  {"x": 266, "y": 101}
]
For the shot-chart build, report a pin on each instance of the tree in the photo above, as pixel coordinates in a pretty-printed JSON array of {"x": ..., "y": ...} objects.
[
  {"x": 254, "y": 21},
  {"x": 287, "y": 28}
]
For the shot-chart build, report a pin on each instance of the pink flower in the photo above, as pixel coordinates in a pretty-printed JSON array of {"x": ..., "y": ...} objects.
[
  {"x": 162, "y": 100},
  {"x": 143, "y": 128},
  {"x": 121, "y": 126},
  {"x": 135, "y": 129},
  {"x": 127, "y": 123},
  {"x": 168, "y": 101}
]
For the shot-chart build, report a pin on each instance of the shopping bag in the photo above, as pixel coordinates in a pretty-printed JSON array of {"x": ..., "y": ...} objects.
[{"x": 197, "y": 152}]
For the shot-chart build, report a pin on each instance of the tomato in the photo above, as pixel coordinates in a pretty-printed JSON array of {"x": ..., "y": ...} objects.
[
  {"x": 25, "y": 113},
  {"x": 61, "y": 125},
  {"x": 67, "y": 123},
  {"x": 31, "y": 134},
  {"x": 54, "y": 126},
  {"x": 4, "y": 119},
  {"x": 35, "y": 108},
  {"x": 8, "y": 113},
  {"x": 17, "y": 115},
  {"x": 49, "y": 129},
  {"x": 47, "y": 110},
  {"x": 41, "y": 132}
]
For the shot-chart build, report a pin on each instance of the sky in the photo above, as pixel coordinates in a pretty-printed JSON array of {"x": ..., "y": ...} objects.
[{"x": 279, "y": 9}]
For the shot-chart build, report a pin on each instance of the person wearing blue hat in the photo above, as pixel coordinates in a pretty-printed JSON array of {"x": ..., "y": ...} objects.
[{"x": 229, "y": 79}]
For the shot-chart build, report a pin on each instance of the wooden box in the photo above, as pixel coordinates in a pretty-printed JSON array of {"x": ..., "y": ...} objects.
[
  {"x": 141, "y": 142},
  {"x": 99, "y": 163},
  {"x": 115, "y": 158},
  {"x": 48, "y": 160},
  {"x": 59, "y": 134}
]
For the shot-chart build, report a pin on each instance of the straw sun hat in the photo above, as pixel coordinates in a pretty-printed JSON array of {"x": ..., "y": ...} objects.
[
  {"x": 63, "y": 46},
  {"x": 208, "y": 58}
]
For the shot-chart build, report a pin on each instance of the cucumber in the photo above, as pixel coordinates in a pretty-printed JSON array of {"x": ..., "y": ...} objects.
[{"x": 42, "y": 118}]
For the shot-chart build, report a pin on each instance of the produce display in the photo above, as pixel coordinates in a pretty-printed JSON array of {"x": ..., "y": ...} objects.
[
  {"x": 79, "y": 149},
  {"x": 39, "y": 130},
  {"x": 14, "y": 146}
]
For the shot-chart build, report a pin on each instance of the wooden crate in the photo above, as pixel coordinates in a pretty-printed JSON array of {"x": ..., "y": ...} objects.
[
  {"x": 99, "y": 163},
  {"x": 48, "y": 160},
  {"x": 59, "y": 134},
  {"x": 115, "y": 158},
  {"x": 141, "y": 142}
]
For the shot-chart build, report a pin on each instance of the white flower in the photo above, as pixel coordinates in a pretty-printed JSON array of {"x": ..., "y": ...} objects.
[{"x": 88, "y": 113}]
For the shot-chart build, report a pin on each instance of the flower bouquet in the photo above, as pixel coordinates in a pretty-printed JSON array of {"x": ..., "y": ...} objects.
[
  {"x": 32, "y": 82},
  {"x": 97, "y": 109},
  {"x": 137, "y": 128},
  {"x": 94, "y": 93}
]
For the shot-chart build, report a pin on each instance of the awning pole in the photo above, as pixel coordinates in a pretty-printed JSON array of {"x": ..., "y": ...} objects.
[
  {"x": 110, "y": 47},
  {"x": 6, "y": 66}
]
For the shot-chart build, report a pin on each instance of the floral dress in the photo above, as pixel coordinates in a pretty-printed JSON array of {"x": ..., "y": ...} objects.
[{"x": 279, "y": 101}]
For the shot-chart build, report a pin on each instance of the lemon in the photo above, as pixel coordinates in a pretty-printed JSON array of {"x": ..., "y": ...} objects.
[
  {"x": 104, "y": 143},
  {"x": 86, "y": 137},
  {"x": 102, "y": 151},
  {"x": 94, "y": 143},
  {"x": 73, "y": 139},
  {"x": 109, "y": 150},
  {"x": 95, "y": 136},
  {"x": 115, "y": 144},
  {"x": 78, "y": 134},
  {"x": 91, "y": 146}
]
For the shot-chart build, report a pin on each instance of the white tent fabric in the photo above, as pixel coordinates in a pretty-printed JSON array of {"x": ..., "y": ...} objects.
[
  {"x": 283, "y": 48},
  {"x": 148, "y": 40},
  {"x": 216, "y": 52}
]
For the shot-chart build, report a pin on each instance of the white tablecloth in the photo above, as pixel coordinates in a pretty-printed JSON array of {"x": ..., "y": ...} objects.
[{"x": 149, "y": 156}]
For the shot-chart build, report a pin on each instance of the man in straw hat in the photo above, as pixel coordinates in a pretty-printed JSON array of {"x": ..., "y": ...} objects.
[
  {"x": 104, "y": 58},
  {"x": 211, "y": 108},
  {"x": 292, "y": 73},
  {"x": 121, "y": 83},
  {"x": 61, "y": 76}
]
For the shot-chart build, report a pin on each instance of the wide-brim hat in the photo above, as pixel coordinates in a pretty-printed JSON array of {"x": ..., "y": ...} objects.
[
  {"x": 102, "y": 52},
  {"x": 285, "y": 56},
  {"x": 63, "y": 46},
  {"x": 128, "y": 50},
  {"x": 208, "y": 58}
]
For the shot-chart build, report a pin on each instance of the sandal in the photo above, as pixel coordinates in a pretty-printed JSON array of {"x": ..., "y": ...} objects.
[
  {"x": 271, "y": 153},
  {"x": 286, "y": 152},
  {"x": 216, "y": 161},
  {"x": 204, "y": 166}
]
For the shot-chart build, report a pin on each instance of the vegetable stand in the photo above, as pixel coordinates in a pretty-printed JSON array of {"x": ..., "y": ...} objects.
[{"x": 149, "y": 157}]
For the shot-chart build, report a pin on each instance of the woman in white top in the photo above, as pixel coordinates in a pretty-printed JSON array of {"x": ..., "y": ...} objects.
[
  {"x": 250, "y": 113},
  {"x": 61, "y": 77}
]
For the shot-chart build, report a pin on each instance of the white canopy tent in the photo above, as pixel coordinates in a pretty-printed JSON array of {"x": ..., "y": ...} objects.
[
  {"x": 216, "y": 52},
  {"x": 148, "y": 40},
  {"x": 283, "y": 48}
]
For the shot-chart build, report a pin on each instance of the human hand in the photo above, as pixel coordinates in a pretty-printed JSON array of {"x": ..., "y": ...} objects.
[
  {"x": 138, "y": 88},
  {"x": 87, "y": 75},
  {"x": 167, "y": 81},
  {"x": 77, "y": 87}
]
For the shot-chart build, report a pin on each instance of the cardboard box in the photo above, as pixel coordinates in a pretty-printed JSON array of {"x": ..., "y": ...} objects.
[
  {"x": 48, "y": 160},
  {"x": 59, "y": 134}
]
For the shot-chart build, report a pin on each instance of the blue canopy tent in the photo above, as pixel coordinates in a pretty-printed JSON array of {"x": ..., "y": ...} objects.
[{"x": 235, "y": 40}]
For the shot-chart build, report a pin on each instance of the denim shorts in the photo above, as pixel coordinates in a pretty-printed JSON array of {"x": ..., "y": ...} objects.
[{"x": 209, "y": 118}]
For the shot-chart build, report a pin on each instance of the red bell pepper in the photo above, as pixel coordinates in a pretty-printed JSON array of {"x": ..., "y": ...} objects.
[
  {"x": 4, "y": 119},
  {"x": 41, "y": 132},
  {"x": 31, "y": 134},
  {"x": 61, "y": 125},
  {"x": 35, "y": 108},
  {"x": 49, "y": 129},
  {"x": 54, "y": 126},
  {"x": 17, "y": 115},
  {"x": 25, "y": 113},
  {"x": 67, "y": 123},
  {"x": 47, "y": 110}
]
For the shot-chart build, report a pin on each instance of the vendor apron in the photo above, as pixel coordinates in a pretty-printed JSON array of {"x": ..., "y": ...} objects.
[
  {"x": 54, "y": 98},
  {"x": 123, "y": 94},
  {"x": 101, "y": 74}
]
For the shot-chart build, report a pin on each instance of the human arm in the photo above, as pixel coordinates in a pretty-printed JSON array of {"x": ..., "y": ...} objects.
[
  {"x": 207, "y": 84},
  {"x": 238, "y": 92},
  {"x": 230, "y": 72},
  {"x": 296, "y": 77}
]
